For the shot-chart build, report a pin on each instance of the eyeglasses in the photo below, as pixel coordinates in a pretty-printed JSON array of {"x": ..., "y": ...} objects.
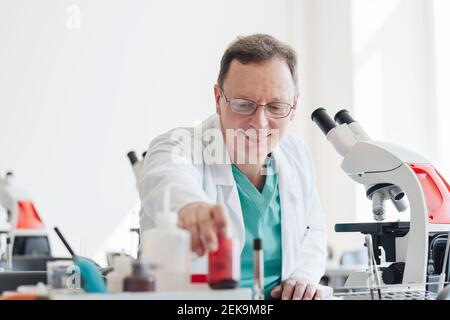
[{"x": 275, "y": 110}]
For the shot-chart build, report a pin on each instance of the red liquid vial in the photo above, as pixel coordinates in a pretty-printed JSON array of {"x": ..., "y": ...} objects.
[{"x": 224, "y": 264}]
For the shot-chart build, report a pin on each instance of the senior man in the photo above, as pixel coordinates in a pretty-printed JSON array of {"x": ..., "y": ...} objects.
[{"x": 261, "y": 186}]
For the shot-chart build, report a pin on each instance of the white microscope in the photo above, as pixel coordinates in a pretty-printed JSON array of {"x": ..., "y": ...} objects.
[
  {"x": 22, "y": 232},
  {"x": 389, "y": 172}
]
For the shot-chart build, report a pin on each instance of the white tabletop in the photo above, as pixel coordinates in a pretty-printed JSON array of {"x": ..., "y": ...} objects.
[{"x": 199, "y": 292}]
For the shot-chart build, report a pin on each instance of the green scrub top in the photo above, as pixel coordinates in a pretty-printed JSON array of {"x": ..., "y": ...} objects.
[{"x": 262, "y": 219}]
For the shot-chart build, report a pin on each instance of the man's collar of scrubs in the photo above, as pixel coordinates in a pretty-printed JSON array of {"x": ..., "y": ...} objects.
[{"x": 223, "y": 172}]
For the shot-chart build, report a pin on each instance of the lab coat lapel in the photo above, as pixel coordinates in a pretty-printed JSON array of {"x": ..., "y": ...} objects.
[
  {"x": 235, "y": 212},
  {"x": 227, "y": 192},
  {"x": 290, "y": 221}
]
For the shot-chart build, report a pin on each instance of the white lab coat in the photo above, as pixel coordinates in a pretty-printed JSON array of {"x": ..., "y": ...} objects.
[{"x": 302, "y": 221}]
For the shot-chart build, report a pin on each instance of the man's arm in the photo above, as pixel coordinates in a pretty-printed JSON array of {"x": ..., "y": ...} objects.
[{"x": 169, "y": 165}]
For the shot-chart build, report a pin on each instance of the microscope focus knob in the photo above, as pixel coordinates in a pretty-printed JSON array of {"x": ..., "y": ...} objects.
[{"x": 394, "y": 273}]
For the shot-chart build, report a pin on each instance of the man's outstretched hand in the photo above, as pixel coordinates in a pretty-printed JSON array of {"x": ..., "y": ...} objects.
[
  {"x": 203, "y": 221},
  {"x": 296, "y": 289}
]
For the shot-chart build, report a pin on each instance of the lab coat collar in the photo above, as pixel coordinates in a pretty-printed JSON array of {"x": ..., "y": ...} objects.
[
  {"x": 284, "y": 176},
  {"x": 224, "y": 175},
  {"x": 222, "y": 171}
]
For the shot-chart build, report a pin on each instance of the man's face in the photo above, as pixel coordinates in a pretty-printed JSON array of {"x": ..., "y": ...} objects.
[{"x": 255, "y": 135}]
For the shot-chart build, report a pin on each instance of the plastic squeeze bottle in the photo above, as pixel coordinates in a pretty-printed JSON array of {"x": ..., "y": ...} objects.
[{"x": 168, "y": 247}]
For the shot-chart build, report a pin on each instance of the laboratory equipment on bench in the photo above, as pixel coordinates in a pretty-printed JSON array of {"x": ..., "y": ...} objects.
[
  {"x": 374, "y": 280},
  {"x": 258, "y": 270},
  {"x": 23, "y": 232},
  {"x": 122, "y": 268},
  {"x": 136, "y": 164},
  {"x": 444, "y": 294},
  {"x": 414, "y": 249},
  {"x": 129, "y": 228},
  {"x": 140, "y": 280},
  {"x": 391, "y": 292},
  {"x": 91, "y": 276}
]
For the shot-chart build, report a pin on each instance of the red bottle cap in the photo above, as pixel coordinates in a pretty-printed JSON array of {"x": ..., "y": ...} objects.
[{"x": 199, "y": 278}]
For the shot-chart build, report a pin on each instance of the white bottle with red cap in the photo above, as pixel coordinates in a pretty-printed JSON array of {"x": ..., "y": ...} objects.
[{"x": 167, "y": 249}]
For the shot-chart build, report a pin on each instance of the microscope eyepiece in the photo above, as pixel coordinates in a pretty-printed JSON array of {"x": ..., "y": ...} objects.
[
  {"x": 132, "y": 157},
  {"x": 323, "y": 120},
  {"x": 343, "y": 116}
]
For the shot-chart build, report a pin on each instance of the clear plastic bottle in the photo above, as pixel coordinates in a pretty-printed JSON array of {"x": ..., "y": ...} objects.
[
  {"x": 169, "y": 248},
  {"x": 122, "y": 269}
]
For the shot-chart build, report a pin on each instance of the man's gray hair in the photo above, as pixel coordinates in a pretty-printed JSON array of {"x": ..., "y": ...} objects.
[{"x": 257, "y": 48}]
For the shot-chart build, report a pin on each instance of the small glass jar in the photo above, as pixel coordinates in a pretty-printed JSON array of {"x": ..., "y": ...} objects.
[{"x": 140, "y": 280}]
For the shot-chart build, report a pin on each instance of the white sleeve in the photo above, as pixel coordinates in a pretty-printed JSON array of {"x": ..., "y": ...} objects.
[
  {"x": 314, "y": 248},
  {"x": 169, "y": 162}
]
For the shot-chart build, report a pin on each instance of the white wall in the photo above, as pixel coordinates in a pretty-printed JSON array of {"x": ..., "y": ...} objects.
[
  {"x": 387, "y": 62},
  {"x": 441, "y": 31},
  {"x": 73, "y": 102},
  {"x": 393, "y": 78},
  {"x": 323, "y": 41}
]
